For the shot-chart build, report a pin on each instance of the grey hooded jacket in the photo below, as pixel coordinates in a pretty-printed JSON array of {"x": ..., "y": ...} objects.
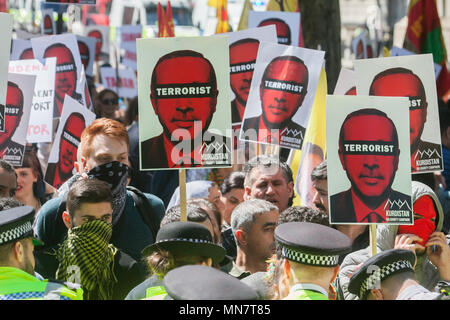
[{"x": 426, "y": 273}]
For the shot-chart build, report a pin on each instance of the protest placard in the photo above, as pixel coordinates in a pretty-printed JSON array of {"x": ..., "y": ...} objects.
[
  {"x": 281, "y": 95},
  {"x": 287, "y": 24},
  {"x": 40, "y": 126},
  {"x": 86, "y": 46},
  {"x": 17, "y": 114},
  {"x": 101, "y": 34},
  {"x": 413, "y": 77},
  {"x": 369, "y": 178},
  {"x": 125, "y": 85},
  {"x": 396, "y": 51},
  {"x": 21, "y": 50},
  {"x": 74, "y": 119},
  {"x": 128, "y": 36},
  {"x": 6, "y": 21},
  {"x": 346, "y": 83},
  {"x": 184, "y": 88},
  {"x": 359, "y": 46},
  {"x": 48, "y": 26},
  {"x": 68, "y": 66}
]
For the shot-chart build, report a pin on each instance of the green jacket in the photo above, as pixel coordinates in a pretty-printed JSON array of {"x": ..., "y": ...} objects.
[
  {"x": 306, "y": 292},
  {"x": 156, "y": 293},
  {"x": 16, "y": 284}
]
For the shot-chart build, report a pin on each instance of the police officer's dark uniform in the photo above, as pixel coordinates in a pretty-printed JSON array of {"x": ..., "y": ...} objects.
[
  {"x": 311, "y": 244},
  {"x": 16, "y": 284},
  {"x": 196, "y": 282},
  {"x": 385, "y": 265}
]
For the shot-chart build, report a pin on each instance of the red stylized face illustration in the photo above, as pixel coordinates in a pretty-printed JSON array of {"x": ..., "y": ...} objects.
[
  {"x": 13, "y": 113},
  {"x": 371, "y": 174},
  {"x": 70, "y": 140},
  {"x": 405, "y": 85},
  {"x": 183, "y": 110},
  {"x": 84, "y": 53},
  {"x": 66, "y": 73},
  {"x": 369, "y": 51},
  {"x": 98, "y": 45},
  {"x": 283, "y": 30},
  {"x": 242, "y": 62},
  {"x": 27, "y": 54},
  {"x": 278, "y": 105},
  {"x": 360, "y": 50},
  {"x": 48, "y": 25},
  {"x": 351, "y": 92}
]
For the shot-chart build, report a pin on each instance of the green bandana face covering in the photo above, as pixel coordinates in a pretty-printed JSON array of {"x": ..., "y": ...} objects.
[{"x": 87, "y": 257}]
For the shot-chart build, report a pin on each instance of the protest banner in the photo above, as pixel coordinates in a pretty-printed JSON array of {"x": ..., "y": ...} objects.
[
  {"x": 183, "y": 88},
  {"x": 413, "y": 77},
  {"x": 125, "y": 86},
  {"x": 346, "y": 83},
  {"x": 6, "y": 21},
  {"x": 281, "y": 95},
  {"x": 74, "y": 119},
  {"x": 101, "y": 34},
  {"x": 86, "y": 46},
  {"x": 17, "y": 114},
  {"x": 287, "y": 24},
  {"x": 40, "y": 126},
  {"x": 128, "y": 36},
  {"x": 396, "y": 51},
  {"x": 21, "y": 50},
  {"x": 369, "y": 177},
  {"x": 48, "y": 26},
  {"x": 68, "y": 79}
]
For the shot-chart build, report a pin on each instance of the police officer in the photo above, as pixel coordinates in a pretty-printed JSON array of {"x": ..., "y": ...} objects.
[
  {"x": 17, "y": 277},
  {"x": 197, "y": 282},
  {"x": 310, "y": 254},
  {"x": 389, "y": 275}
]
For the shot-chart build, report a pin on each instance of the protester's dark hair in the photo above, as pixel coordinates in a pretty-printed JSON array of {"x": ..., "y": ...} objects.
[
  {"x": 368, "y": 112},
  {"x": 9, "y": 203},
  {"x": 180, "y": 54},
  {"x": 398, "y": 70},
  {"x": 132, "y": 111},
  {"x": 30, "y": 160},
  {"x": 87, "y": 191},
  {"x": 193, "y": 211},
  {"x": 320, "y": 171},
  {"x": 208, "y": 204},
  {"x": 102, "y": 93},
  {"x": 7, "y": 166},
  {"x": 267, "y": 162},
  {"x": 235, "y": 180}
]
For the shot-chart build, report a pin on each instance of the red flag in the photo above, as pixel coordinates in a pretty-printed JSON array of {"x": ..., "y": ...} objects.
[
  {"x": 161, "y": 21},
  {"x": 424, "y": 35},
  {"x": 222, "y": 17},
  {"x": 169, "y": 21}
]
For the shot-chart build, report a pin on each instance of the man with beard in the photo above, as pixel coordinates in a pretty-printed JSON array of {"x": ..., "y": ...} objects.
[
  {"x": 283, "y": 30},
  {"x": 57, "y": 173},
  {"x": 242, "y": 64},
  {"x": 66, "y": 75},
  {"x": 253, "y": 223},
  {"x": 282, "y": 91},
  {"x": 184, "y": 97},
  {"x": 371, "y": 174},
  {"x": 104, "y": 155},
  {"x": 17, "y": 276},
  {"x": 10, "y": 150},
  {"x": 401, "y": 82}
]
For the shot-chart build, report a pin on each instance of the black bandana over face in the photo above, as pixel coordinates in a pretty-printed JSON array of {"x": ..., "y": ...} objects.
[{"x": 115, "y": 174}]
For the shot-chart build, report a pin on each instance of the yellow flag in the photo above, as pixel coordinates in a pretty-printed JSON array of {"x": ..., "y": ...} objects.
[
  {"x": 386, "y": 52},
  {"x": 222, "y": 17},
  {"x": 282, "y": 5},
  {"x": 243, "y": 21},
  {"x": 313, "y": 148},
  {"x": 213, "y": 3}
]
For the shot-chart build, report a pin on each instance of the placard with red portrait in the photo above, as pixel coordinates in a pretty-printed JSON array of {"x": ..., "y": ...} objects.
[
  {"x": 281, "y": 95},
  {"x": 6, "y": 21},
  {"x": 19, "y": 99},
  {"x": 74, "y": 119},
  {"x": 184, "y": 97},
  {"x": 346, "y": 83},
  {"x": 369, "y": 178},
  {"x": 410, "y": 76}
]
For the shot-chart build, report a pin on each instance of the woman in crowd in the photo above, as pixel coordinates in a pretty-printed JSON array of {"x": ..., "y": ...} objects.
[
  {"x": 107, "y": 105},
  {"x": 232, "y": 190}
]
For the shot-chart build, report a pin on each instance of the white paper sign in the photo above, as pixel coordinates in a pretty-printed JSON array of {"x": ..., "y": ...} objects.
[
  {"x": 21, "y": 49},
  {"x": 86, "y": 46},
  {"x": 40, "y": 127},
  {"x": 346, "y": 83},
  {"x": 125, "y": 86}
]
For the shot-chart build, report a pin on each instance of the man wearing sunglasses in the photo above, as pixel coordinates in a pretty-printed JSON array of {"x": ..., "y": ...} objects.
[
  {"x": 401, "y": 82},
  {"x": 13, "y": 115}
]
